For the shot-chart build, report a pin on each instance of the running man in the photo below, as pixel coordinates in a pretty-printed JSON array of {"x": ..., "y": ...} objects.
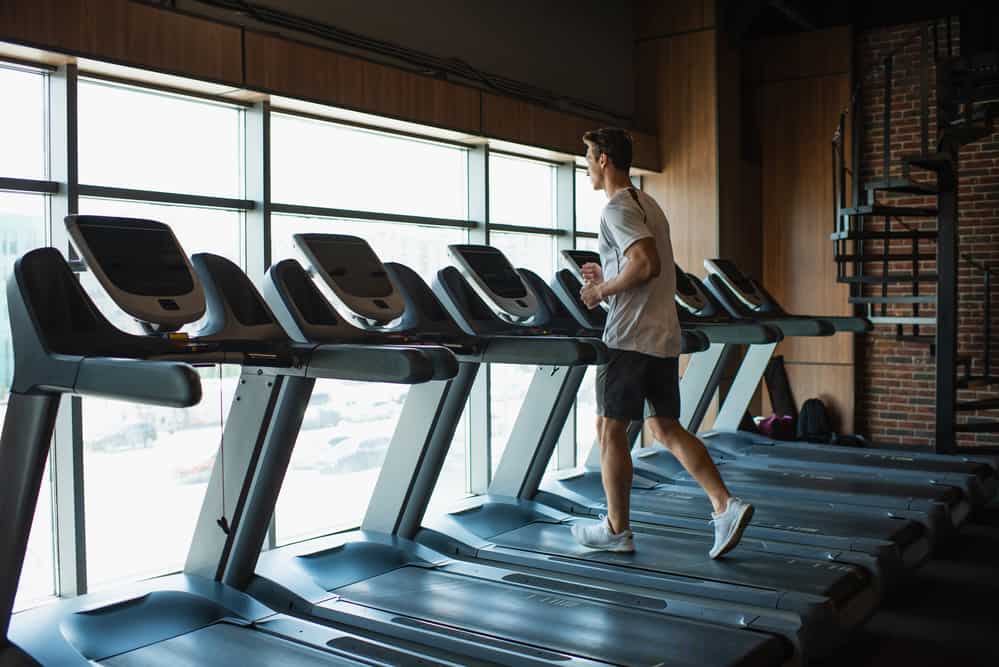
[{"x": 638, "y": 282}]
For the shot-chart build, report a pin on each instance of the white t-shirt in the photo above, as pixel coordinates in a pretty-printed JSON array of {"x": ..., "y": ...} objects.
[{"x": 641, "y": 319}]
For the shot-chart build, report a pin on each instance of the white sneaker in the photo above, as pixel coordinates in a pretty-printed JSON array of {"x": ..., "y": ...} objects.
[
  {"x": 729, "y": 526},
  {"x": 598, "y": 535}
]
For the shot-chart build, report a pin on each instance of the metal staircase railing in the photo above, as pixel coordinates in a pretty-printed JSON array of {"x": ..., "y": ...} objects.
[{"x": 901, "y": 260}]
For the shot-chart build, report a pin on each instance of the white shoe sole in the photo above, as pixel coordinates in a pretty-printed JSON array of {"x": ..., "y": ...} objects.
[
  {"x": 622, "y": 548},
  {"x": 733, "y": 539}
]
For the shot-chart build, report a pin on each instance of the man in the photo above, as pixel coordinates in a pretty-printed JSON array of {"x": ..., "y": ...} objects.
[{"x": 638, "y": 282}]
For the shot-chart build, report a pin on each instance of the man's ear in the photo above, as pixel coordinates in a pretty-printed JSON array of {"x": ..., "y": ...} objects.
[{"x": 602, "y": 160}]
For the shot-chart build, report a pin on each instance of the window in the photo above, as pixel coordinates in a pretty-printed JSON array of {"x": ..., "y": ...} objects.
[
  {"x": 527, "y": 251},
  {"x": 147, "y": 468},
  {"x": 349, "y": 425},
  {"x": 521, "y": 192},
  {"x": 147, "y": 471},
  {"x": 586, "y": 416},
  {"x": 22, "y": 228},
  {"x": 22, "y": 124},
  {"x": 589, "y": 204},
  {"x": 139, "y": 139},
  {"x": 318, "y": 163}
]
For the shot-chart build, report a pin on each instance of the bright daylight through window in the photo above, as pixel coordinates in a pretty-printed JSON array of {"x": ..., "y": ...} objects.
[
  {"x": 146, "y": 469},
  {"x": 23, "y": 227},
  {"x": 521, "y": 192},
  {"x": 348, "y": 425}
]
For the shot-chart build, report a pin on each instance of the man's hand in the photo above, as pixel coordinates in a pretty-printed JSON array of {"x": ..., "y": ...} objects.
[
  {"x": 592, "y": 273},
  {"x": 591, "y": 294}
]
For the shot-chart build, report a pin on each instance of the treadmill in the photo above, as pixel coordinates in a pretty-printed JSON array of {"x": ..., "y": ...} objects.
[
  {"x": 947, "y": 497},
  {"x": 378, "y": 578},
  {"x": 63, "y": 346},
  {"x": 744, "y": 297},
  {"x": 938, "y": 506},
  {"x": 897, "y": 539},
  {"x": 829, "y": 592}
]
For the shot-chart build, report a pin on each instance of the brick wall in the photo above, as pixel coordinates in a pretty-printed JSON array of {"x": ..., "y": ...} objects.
[{"x": 896, "y": 380}]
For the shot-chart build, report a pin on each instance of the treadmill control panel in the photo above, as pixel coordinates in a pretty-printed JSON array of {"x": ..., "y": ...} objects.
[
  {"x": 741, "y": 286},
  {"x": 495, "y": 280},
  {"x": 690, "y": 293},
  {"x": 574, "y": 260},
  {"x": 142, "y": 267},
  {"x": 354, "y": 275}
]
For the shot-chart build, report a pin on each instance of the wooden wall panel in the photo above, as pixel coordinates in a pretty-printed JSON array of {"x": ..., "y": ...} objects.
[
  {"x": 646, "y": 150},
  {"x": 807, "y": 54},
  {"x": 293, "y": 69},
  {"x": 127, "y": 33},
  {"x": 686, "y": 117},
  {"x": 658, "y": 18},
  {"x": 798, "y": 119}
]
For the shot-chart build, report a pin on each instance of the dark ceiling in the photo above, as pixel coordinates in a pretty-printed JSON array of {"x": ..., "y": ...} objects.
[{"x": 751, "y": 19}]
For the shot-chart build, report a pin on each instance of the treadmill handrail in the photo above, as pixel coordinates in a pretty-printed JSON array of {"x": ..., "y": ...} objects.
[
  {"x": 547, "y": 351},
  {"x": 169, "y": 384},
  {"x": 382, "y": 363},
  {"x": 738, "y": 332}
]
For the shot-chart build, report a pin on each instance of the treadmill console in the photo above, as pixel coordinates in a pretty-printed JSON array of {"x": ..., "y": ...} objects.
[
  {"x": 354, "y": 275},
  {"x": 492, "y": 276},
  {"x": 743, "y": 288},
  {"x": 574, "y": 260},
  {"x": 690, "y": 294},
  {"x": 142, "y": 267}
]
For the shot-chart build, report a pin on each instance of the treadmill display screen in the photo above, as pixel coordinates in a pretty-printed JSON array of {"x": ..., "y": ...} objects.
[
  {"x": 141, "y": 259},
  {"x": 683, "y": 284},
  {"x": 736, "y": 276},
  {"x": 495, "y": 272},
  {"x": 353, "y": 265},
  {"x": 580, "y": 257}
]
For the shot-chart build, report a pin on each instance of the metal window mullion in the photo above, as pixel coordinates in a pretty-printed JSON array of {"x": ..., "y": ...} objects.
[
  {"x": 29, "y": 185},
  {"x": 257, "y": 244},
  {"x": 479, "y": 410},
  {"x": 257, "y": 186},
  {"x": 368, "y": 216},
  {"x": 159, "y": 197},
  {"x": 565, "y": 221},
  {"x": 66, "y": 454},
  {"x": 525, "y": 229}
]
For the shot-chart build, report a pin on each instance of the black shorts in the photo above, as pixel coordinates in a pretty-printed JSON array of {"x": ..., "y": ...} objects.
[{"x": 630, "y": 380}]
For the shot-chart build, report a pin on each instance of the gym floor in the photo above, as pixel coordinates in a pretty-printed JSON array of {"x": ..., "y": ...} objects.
[{"x": 946, "y": 614}]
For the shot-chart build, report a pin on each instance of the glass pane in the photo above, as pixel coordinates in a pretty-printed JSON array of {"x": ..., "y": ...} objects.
[
  {"x": 527, "y": 251},
  {"x": 584, "y": 243},
  {"x": 521, "y": 192},
  {"x": 131, "y": 138},
  {"x": 586, "y": 416},
  {"x": 22, "y": 228},
  {"x": 319, "y": 163},
  {"x": 197, "y": 229},
  {"x": 452, "y": 485},
  {"x": 509, "y": 384},
  {"x": 349, "y": 424},
  {"x": 22, "y": 124},
  {"x": 589, "y": 204},
  {"x": 423, "y": 249},
  {"x": 343, "y": 442},
  {"x": 38, "y": 574},
  {"x": 146, "y": 472}
]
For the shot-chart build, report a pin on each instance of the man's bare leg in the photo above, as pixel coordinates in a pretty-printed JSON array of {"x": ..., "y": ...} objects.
[
  {"x": 693, "y": 456},
  {"x": 616, "y": 471}
]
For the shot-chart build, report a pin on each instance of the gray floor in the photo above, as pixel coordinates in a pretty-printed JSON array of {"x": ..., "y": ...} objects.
[{"x": 946, "y": 613}]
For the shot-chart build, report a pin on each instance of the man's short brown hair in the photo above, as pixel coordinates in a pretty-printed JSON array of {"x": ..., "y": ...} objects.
[{"x": 613, "y": 142}]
